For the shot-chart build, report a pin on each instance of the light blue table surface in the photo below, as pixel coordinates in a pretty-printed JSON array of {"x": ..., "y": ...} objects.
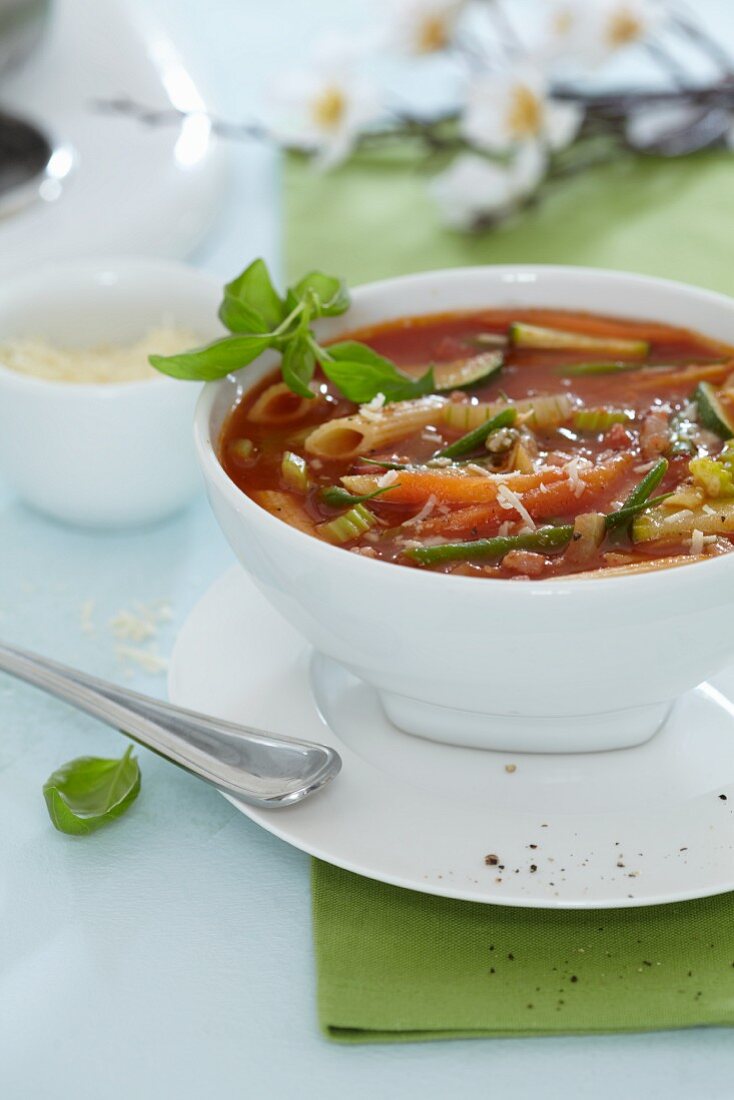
[{"x": 170, "y": 955}]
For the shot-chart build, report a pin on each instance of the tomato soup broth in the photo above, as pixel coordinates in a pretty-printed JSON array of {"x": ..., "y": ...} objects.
[{"x": 574, "y": 443}]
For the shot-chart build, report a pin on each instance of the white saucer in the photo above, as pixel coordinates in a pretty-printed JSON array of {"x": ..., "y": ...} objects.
[{"x": 633, "y": 827}]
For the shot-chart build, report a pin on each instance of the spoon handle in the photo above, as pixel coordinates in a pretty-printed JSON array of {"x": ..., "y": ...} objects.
[{"x": 254, "y": 766}]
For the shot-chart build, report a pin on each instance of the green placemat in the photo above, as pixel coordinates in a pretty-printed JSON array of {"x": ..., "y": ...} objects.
[
  {"x": 374, "y": 219},
  {"x": 395, "y": 965}
]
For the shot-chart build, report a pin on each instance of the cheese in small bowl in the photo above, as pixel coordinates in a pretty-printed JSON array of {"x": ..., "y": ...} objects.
[
  {"x": 90, "y": 434},
  {"x": 99, "y": 364}
]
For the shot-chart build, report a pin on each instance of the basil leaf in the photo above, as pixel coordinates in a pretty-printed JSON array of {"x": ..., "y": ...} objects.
[
  {"x": 88, "y": 792},
  {"x": 251, "y": 302},
  {"x": 360, "y": 373},
  {"x": 325, "y": 295},
  {"x": 213, "y": 361},
  {"x": 297, "y": 367}
]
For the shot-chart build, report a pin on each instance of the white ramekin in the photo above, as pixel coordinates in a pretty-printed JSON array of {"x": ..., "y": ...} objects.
[
  {"x": 102, "y": 455},
  {"x": 560, "y": 665}
]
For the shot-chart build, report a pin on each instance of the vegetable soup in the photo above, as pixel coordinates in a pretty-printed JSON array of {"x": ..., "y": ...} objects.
[{"x": 550, "y": 444}]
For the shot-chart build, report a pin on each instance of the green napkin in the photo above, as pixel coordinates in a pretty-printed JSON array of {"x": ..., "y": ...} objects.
[{"x": 395, "y": 965}]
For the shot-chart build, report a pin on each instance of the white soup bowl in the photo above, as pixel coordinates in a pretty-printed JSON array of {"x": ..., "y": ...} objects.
[{"x": 557, "y": 665}]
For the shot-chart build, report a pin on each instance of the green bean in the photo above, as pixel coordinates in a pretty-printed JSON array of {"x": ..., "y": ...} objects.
[
  {"x": 638, "y": 496},
  {"x": 545, "y": 538},
  {"x": 337, "y": 497},
  {"x": 474, "y": 439}
]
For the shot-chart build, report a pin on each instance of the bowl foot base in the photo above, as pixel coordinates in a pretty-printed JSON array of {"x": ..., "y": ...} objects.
[{"x": 618, "y": 729}]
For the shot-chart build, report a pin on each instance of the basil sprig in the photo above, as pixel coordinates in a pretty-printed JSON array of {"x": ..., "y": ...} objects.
[
  {"x": 259, "y": 318},
  {"x": 88, "y": 792}
]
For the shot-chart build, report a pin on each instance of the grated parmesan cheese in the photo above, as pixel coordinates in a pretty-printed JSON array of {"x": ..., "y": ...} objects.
[
  {"x": 424, "y": 512},
  {"x": 372, "y": 410},
  {"x": 571, "y": 469},
  {"x": 86, "y": 617},
  {"x": 507, "y": 499},
  {"x": 697, "y": 542},
  {"x": 141, "y": 622},
  {"x": 386, "y": 479},
  {"x": 146, "y": 659},
  {"x": 103, "y": 364}
]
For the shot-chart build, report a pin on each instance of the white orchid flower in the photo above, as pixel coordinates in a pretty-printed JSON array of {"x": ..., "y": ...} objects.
[
  {"x": 590, "y": 31},
  {"x": 323, "y": 109},
  {"x": 422, "y": 26},
  {"x": 509, "y": 109},
  {"x": 473, "y": 188}
]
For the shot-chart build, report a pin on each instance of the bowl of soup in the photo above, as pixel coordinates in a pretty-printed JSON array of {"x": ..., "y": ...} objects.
[{"x": 535, "y": 555}]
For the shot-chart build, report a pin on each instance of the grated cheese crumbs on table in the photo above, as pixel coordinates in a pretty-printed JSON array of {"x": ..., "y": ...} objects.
[
  {"x": 146, "y": 659},
  {"x": 507, "y": 499},
  {"x": 103, "y": 364},
  {"x": 424, "y": 512},
  {"x": 86, "y": 617},
  {"x": 372, "y": 410},
  {"x": 141, "y": 622},
  {"x": 140, "y": 625}
]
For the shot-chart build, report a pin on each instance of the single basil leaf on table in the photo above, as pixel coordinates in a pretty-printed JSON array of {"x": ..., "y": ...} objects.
[
  {"x": 214, "y": 360},
  {"x": 88, "y": 792},
  {"x": 360, "y": 373},
  {"x": 251, "y": 302},
  {"x": 324, "y": 295},
  {"x": 297, "y": 367}
]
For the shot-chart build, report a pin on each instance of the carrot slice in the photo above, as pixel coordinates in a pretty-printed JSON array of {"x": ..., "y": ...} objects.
[
  {"x": 286, "y": 507},
  {"x": 686, "y": 376},
  {"x": 449, "y": 486},
  {"x": 554, "y": 499}
]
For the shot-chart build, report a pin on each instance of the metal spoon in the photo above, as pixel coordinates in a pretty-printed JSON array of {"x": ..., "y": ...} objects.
[{"x": 254, "y": 766}]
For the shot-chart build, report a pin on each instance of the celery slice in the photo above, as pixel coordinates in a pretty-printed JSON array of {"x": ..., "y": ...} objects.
[
  {"x": 294, "y": 471},
  {"x": 598, "y": 420},
  {"x": 349, "y": 526}
]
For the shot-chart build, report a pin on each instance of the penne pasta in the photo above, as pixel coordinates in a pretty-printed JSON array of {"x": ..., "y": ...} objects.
[
  {"x": 543, "y": 412},
  {"x": 279, "y": 405},
  {"x": 370, "y": 430}
]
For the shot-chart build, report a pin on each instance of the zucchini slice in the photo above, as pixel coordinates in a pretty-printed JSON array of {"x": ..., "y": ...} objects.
[
  {"x": 534, "y": 336},
  {"x": 461, "y": 373},
  {"x": 711, "y": 412},
  {"x": 661, "y": 523}
]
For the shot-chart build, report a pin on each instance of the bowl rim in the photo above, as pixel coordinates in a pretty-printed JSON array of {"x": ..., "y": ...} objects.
[
  {"x": 24, "y": 286},
  {"x": 548, "y": 588}
]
